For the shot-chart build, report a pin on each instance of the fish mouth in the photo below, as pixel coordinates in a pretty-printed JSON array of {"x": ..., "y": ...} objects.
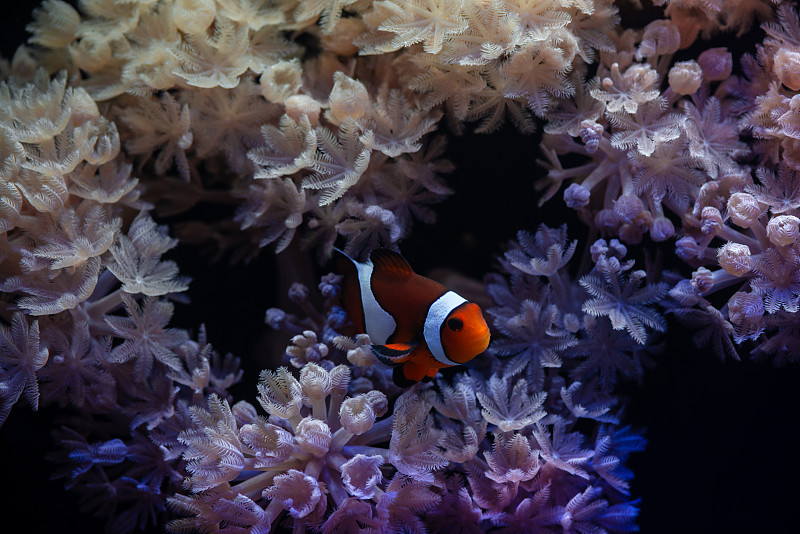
[{"x": 483, "y": 341}]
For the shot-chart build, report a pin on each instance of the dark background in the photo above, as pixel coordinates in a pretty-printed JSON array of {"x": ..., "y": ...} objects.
[{"x": 722, "y": 436}]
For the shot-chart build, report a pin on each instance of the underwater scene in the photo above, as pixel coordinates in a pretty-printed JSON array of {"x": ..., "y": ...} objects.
[{"x": 400, "y": 266}]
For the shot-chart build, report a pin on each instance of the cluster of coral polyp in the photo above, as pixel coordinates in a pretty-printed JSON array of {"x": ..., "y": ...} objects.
[{"x": 293, "y": 126}]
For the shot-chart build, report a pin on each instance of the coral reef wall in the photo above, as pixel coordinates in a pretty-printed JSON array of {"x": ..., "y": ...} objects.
[{"x": 616, "y": 184}]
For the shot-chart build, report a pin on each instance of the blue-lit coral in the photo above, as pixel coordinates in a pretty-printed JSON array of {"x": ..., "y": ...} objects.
[
  {"x": 128, "y": 128},
  {"x": 491, "y": 441}
]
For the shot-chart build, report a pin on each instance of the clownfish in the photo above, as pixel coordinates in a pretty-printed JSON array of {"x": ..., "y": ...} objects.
[{"x": 416, "y": 324}]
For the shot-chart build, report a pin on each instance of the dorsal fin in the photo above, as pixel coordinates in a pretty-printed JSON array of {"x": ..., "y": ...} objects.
[
  {"x": 387, "y": 261},
  {"x": 351, "y": 290}
]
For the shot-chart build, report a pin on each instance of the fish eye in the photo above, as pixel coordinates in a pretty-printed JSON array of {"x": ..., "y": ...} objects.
[{"x": 455, "y": 324}]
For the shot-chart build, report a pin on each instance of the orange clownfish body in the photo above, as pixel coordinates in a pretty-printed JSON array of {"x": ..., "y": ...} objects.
[{"x": 417, "y": 325}]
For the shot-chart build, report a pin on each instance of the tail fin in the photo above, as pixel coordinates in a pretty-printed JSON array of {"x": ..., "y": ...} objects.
[{"x": 351, "y": 290}]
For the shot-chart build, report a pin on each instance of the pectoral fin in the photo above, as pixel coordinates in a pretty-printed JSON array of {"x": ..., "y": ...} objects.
[{"x": 393, "y": 354}]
